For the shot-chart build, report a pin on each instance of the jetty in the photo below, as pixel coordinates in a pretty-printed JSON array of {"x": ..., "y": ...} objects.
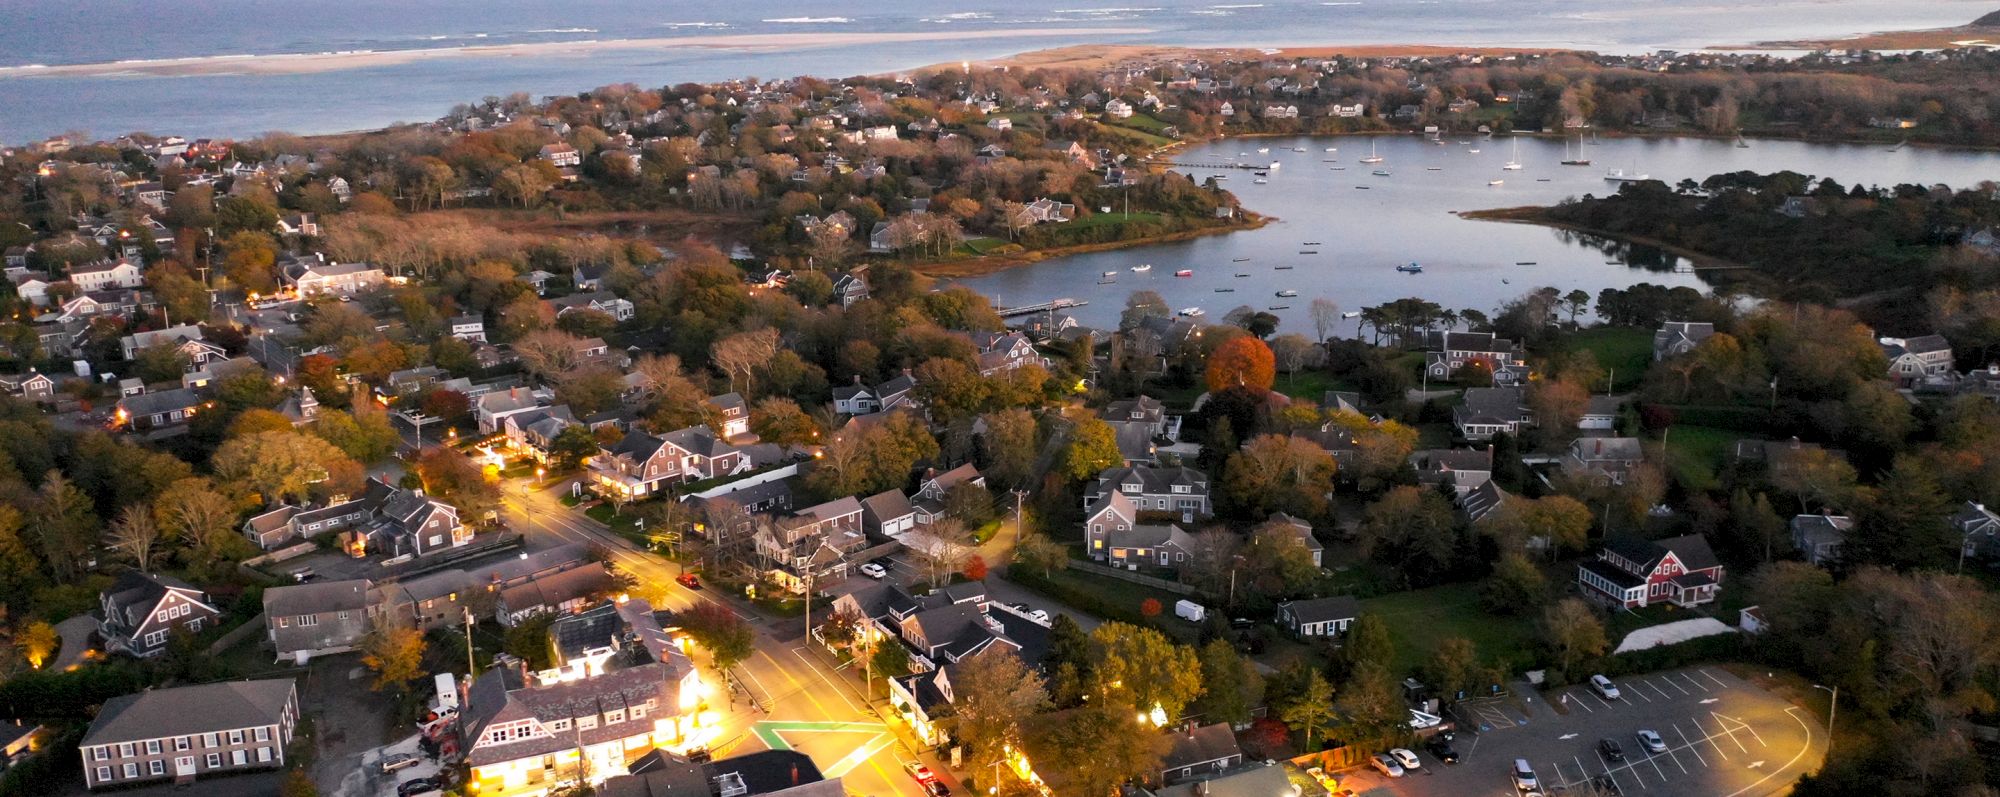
[{"x": 1031, "y": 309}]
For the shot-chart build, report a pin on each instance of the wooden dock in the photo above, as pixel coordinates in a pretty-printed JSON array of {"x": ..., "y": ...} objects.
[{"x": 1031, "y": 309}]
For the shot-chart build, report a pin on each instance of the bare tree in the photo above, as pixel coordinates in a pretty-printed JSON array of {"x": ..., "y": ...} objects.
[
  {"x": 941, "y": 547},
  {"x": 135, "y": 536},
  {"x": 549, "y": 353},
  {"x": 1325, "y": 314},
  {"x": 743, "y": 353}
]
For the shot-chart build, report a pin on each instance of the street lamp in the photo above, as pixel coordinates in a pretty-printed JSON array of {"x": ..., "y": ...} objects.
[{"x": 1832, "y": 706}]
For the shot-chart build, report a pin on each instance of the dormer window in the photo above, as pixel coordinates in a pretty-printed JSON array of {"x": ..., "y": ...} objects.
[
  {"x": 1181, "y": 488},
  {"x": 1130, "y": 487}
]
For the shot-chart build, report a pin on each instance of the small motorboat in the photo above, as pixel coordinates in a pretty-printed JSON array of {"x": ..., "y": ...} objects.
[
  {"x": 1351, "y": 314},
  {"x": 1362, "y": 188},
  {"x": 1263, "y": 150},
  {"x": 1496, "y": 182},
  {"x": 1111, "y": 273},
  {"x": 1308, "y": 251},
  {"x": 1243, "y": 273},
  {"x": 1283, "y": 268},
  {"x": 1240, "y": 260},
  {"x": 1474, "y": 150},
  {"x": 1261, "y": 174},
  {"x": 1380, "y": 172},
  {"x": 1186, "y": 272},
  {"x": 1503, "y": 281},
  {"x": 1338, "y": 168},
  {"x": 1260, "y": 181},
  {"x": 1333, "y": 149},
  {"x": 1280, "y": 307},
  {"x": 1107, "y": 281},
  {"x": 1411, "y": 269},
  {"x": 1143, "y": 267},
  {"x": 1225, "y": 290},
  {"x": 1524, "y": 262},
  {"x": 1287, "y": 294},
  {"x": 1191, "y": 312},
  {"x": 1433, "y": 168},
  {"x": 1310, "y": 243}
]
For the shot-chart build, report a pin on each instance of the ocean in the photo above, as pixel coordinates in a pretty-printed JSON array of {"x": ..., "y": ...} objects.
[{"x": 52, "y": 33}]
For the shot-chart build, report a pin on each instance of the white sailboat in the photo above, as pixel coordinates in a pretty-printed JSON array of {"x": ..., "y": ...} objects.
[
  {"x": 1372, "y": 157},
  {"x": 1513, "y": 164}
]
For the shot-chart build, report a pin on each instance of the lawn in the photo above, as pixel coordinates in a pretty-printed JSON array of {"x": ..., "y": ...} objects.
[
  {"x": 1112, "y": 220},
  {"x": 1696, "y": 453},
  {"x": 1310, "y": 386},
  {"x": 625, "y": 524},
  {"x": 1625, "y": 351},
  {"x": 1420, "y": 619},
  {"x": 1135, "y": 134}
]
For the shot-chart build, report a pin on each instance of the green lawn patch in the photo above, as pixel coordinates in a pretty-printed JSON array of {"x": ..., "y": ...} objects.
[
  {"x": 1310, "y": 386},
  {"x": 1696, "y": 453},
  {"x": 1108, "y": 598},
  {"x": 1419, "y": 619},
  {"x": 1626, "y": 351},
  {"x": 1113, "y": 220},
  {"x": 1141, "y": 136},
  {"x": 624, "y": 523},
  {"x": 1143, "y": 122}
]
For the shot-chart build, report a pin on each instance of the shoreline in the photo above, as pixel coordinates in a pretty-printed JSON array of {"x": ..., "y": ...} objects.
[
  {"x": 1110, "y": 56},
  {"x": 312, "y": 63},
  {"x": 1537, "y": 215},
  {"x": 1926, "y": 39},
  {"x": 987, "y": 265}
]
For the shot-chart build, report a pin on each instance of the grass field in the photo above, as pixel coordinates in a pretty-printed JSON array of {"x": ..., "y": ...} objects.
[
  {"x": 1135, "y": 133},
  {"x": 1696, "y": 453},
  {"x": 1626, "y": 351},
  {"x": 1420, "y": 619}
]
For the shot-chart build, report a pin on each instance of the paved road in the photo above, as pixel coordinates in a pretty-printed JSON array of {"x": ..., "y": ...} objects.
[{"x": 802, "y": 703}]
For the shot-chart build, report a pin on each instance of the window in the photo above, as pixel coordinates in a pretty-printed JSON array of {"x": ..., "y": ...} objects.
[
  {"x": 160, "y": 616},
  {"x": 100, "y": 753},
  {"x": 235, "y": 737},
  {"x": 558, "y": 725},
  {"x": 586, "y": 723},
  {"x": 131, "y": 770},
  {"x": 614, "y": 716},
  {"x": 156, "y": 767},
  {"x": 239, "y": 757},
  {"x": 156, "y": 639},
  {"x": 638, "y": 712},
  {"x": 263, "y": 734},
  {"x": 212, "y": 740},
  {"x": 153, "y": 747},
  {"x": 103, "y": 774},
  {"x": 308, "y": 619},
  {"x": 126, "y": 750},
  {"x": 194, "y": 625},
  {"x": 263, "y": 754},
  {"x": 182, "y": 743},
  {"x": 214, "y": 760}
]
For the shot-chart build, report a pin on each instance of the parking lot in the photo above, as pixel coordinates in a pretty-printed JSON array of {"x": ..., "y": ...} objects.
[{"x": 1724, "y": 737}]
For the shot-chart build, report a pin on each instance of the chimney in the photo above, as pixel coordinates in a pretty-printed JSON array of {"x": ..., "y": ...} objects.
[
  {"x": 1600, "y": 445},
  {"x": 795, "y": 774},
  {"x": 857, "y": 379}
]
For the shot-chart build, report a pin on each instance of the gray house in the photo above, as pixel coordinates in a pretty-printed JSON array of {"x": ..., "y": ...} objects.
[
  {"x": 309, "y": 620},
  {"x": 1820, "y": 537},
  {"x": 1319, "y": 616},
  {"x": 190, "y": 731}
]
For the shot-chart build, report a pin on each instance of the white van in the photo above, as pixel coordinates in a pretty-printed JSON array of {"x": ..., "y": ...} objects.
[
  {"x": 1189, "y": 611},
  {"x": 1524, "y": 776}
]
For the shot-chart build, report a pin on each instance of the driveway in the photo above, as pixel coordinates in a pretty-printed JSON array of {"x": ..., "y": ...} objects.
[
  {"x": 75, "y": 633},
  {"x": 1725, "y": 737}
]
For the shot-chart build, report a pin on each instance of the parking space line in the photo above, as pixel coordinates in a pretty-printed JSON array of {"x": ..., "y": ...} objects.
[
  {"x": 1670, "y": 754},
  {"x": 1586, "y": 706},
  {"x": 1670, "y": 682},
  {"x": 1641, "y": 693},
  {"x": 1724, "y": 723},
  {"x": 1698, "y": 685},
  {"x": 1711, "y": 676},
  {"x": 1614, "y": 778},
  {"x": 1656, "y": 688},
  {"x": 1692, "y": 747},
  {"x": 1607, "y": 703},
  {"x": 1581, "y": 768}
]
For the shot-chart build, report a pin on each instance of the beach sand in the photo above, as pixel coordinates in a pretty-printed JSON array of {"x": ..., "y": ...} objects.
[
  {"x": 304, "y": 63},
  {"x": 1106, "y": 56}
]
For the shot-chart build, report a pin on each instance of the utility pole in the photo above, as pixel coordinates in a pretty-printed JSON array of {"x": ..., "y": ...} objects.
[
  {"x": 1832, "y": 707},
  {"x": 471, "y": 666}
]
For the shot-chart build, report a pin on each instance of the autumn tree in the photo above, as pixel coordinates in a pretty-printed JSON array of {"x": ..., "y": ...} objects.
[
  {"x": 1311, "y": 709},
  {"x": 779, "y": 421},
  {"x": 202, "y": 520},
  {"x": 549, "y": 353},
  {"x": 277, "y": 467},
  {"x": 1455, "y": 669},
  {"x": 1413, "y": 529},
  {"x": 1120, "y": 748},
  {"x": 1573, "y": 632},
  {"x": 395, "y": 652},
  {"x": 1010, "y": 446},
  {"x": 727, "y": 638},
  {"x": 1279, "y": 473},
  {"x": 136, "y": 537},
  {"x": 1092, "y": 448},
  {"x": 1516, "y": 586},
  {"x": 64, "y": 525},
  {"x": 995, "y": 694},
  {"x": 1141, "y": 669},
  {"x": 1242, "y": 362},
  {"x": 1558, "y": 406},
  {"x": 1371, "y": 703}
]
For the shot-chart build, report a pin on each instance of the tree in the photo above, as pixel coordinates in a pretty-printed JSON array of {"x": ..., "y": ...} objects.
[
  {"x": 395, "y": 652},
  {"x": 136, "y": 537},
  {"x": 37, "y": 641},
  {"x": 159, "y": 362},
  {"x": 277, "y": 467},
  {"x": 1279, "y": 473},
  {"x": 994, "y": 693},
  {"x": 1757, "y": 525},
  {"x": 454, "y": 478},
  {"x": 741, "y": 355},
  {"x": 890, "y": 660},
  {"x": 64, "y": 525},
  {"x": 248, "y": 258},
  {"x": 1141, "y": 669},
  {"x": 1515, "y": 587},
  {"x": 1231, "y": 685},
  {"x": 298, "y": 784},
  {"x": 571, "y": 447},
  {"x": 363, "y": 433},
  {"x": 1039, "y": 553},
  {"x": 1455, "y": 669},
  {"x": 1413, "y": 529},
  {"x": 1150, "y": 608},
  {"x": 1906, "y": 523},
  {"x": 1294, "y": 351},
  {"x": 939, "y": 548},
  {"x": 1367, "y": 642},
  {"x": 1311, "y": 709},
  {"x": 1817, "y": 477},
  {"x": 191, "y": 512},
  {"x": 1573, "y": 631},
  {"x": 1119, "y": 748},
  {"x": 1325, "y": 317},
  {"x": 1011, "y": 447},
  {"x": 1372, "y": 703},
  {"x": 528, "y": 640},
  {"x": 1140, "y": 306},
  {"x": 975, "y": 568},
  {"x": 591, "y": 389},
  {"x": 550, "y": 354},
  {"x": 779, "y": 421},
  {"x": 726, "y": 637},
  {"x": 1277, "y": 561},
  {"x": 19, "y": 571},
  {"x": 1092, "y": 448},
  {"x": 950, "y": 389},
  {"x": 1242, "y": 362}
]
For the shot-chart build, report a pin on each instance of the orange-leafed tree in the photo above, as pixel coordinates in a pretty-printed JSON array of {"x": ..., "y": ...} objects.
[{"x": 1242, "y": 361}]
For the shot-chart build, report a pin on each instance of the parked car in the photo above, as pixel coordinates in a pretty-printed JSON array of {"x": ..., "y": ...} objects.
[
  {"x": 926, "y": 778},
  {"x": 1607, "y": 785},
  {"x": 1385, "y": 765},
  {"x": 396, "y": 761},
  {"x": 409, "y": 788},
  {"x": 1652, "y": 741},
  {"x": 1040, "y": 615},
  {"x": 688, "y": 580},
  {"x": 1408, "y": 759},
  {"x": 303, "y": 575},
  {"x": 874, "y": 571},
  {"x": 1440, "y": 746},
  {"x": 1018, "y": 606},
  {"x": 1610, "y": 750},
  {"x": 1605, "y": 688},
  {"x": 1524, "y": 777}
]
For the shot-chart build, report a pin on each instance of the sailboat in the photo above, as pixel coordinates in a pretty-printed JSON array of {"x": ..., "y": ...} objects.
[
  {"x": 1740, "y": 143},
  {"x": 1372, "y": 157},
  {"x": 1573, "y": 160},
  {"x": 1513, "y": 164}
]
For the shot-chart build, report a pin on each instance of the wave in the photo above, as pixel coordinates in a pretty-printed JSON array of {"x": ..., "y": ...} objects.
[
  {"x": 1241, "y": 5},
  {"x": 564, "y": 30},
  {"x": 1101, "y": 10},
  {"x": 811, "y": 20},
  {"x": 1210, "y": 12},
  {"x": 1350, "y": 3},
  {"x": 694, "y": 24}
]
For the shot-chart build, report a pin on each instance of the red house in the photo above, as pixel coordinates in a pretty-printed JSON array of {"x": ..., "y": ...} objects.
[{"x": 1635, "y": 573}]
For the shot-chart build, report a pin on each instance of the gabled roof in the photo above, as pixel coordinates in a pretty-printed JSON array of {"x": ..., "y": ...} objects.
[
  {"x": 135, "y": 594},
  {"x": 1200, "y": 745},
  {"x": 190, "y": 710},
  {"x": 324, "y": 596},
  {"x": 887, "y": 504},
  {"x": 1321, "y": 610}
]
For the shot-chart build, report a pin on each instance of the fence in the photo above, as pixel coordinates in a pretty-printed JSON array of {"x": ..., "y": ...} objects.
[
  {"x": 1137, "y": 578},
  {"x": 288, "y": 552}
]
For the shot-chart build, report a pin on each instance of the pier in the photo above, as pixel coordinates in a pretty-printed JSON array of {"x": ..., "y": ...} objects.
[
  {"x": 1215, "y": 165},
  {"x": 1031, "y": 309}
]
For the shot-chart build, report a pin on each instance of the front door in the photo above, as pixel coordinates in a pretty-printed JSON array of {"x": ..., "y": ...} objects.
[{"x": 184, "y": 767}]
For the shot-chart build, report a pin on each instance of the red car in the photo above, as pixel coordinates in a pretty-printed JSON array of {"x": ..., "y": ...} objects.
[{"x": 688, "y": 580}]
